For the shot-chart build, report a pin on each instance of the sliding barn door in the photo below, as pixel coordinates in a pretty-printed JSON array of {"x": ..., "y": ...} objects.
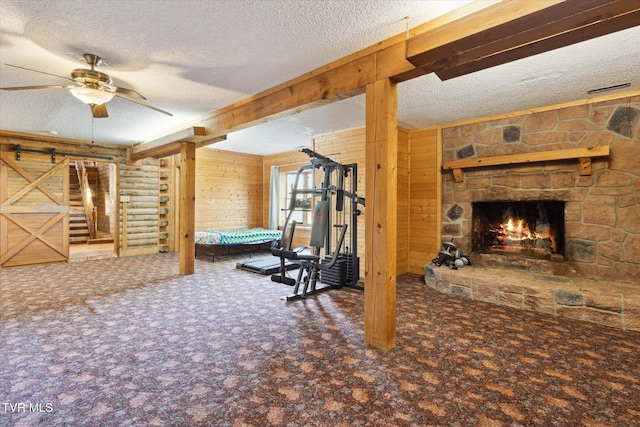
[{"x": 34, "y": 209}]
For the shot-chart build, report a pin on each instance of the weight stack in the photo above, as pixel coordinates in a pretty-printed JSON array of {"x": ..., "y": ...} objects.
[
  {"x": 336, "y": 276},
  {"x": 353, "y": 268}
]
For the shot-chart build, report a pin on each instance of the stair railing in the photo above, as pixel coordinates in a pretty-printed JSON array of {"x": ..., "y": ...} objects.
[{"x": 87, "y": 199}]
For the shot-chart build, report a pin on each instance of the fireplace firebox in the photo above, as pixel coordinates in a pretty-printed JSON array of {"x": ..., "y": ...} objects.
[{"x": 533, "y": 229}]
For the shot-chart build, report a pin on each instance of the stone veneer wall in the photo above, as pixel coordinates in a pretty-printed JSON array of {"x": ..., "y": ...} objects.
[{"x": 602, "y": 210}]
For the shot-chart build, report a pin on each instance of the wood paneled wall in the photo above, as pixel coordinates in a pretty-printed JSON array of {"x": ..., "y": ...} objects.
[
  {"x": 424, "y": 198},
  {"x": 229, "y": 190},
  {"x": 403, "y": 250}
]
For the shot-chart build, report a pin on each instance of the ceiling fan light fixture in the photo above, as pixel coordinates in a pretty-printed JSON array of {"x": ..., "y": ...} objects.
[{"x": 91, "y": 96}]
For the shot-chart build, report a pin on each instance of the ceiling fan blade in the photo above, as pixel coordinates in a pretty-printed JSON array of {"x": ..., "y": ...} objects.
[
  {"x": 125, "y": 91},
  {"x": 38, "y": 87},
  {"x": 99, "y": 111},
  {"x": 144, "y": 104},
  {"x": 38, "y": 71}
]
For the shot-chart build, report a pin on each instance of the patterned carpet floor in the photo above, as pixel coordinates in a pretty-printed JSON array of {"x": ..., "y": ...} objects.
[{"x": 128, "y": 342}]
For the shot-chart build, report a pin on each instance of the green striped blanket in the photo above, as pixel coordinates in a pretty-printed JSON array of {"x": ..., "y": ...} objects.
[{"x": 237, "y": 236}]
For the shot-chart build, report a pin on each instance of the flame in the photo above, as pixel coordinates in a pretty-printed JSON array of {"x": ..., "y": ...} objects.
[{"x": 516, "y": 230}]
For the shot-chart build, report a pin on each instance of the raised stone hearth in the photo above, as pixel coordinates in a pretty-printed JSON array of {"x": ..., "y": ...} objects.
[{"x": 603, "y": 302}]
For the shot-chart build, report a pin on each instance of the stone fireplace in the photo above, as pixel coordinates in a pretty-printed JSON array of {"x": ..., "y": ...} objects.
[{"x": 582, "y": 216}]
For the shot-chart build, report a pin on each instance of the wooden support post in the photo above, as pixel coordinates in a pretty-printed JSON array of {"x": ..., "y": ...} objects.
[
  {"x": 381, "y": 217},
  {"x": 187, "y": 207}
]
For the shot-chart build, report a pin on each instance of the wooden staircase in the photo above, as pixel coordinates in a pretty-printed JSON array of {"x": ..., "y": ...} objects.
[{"x": 78, "y": 226}]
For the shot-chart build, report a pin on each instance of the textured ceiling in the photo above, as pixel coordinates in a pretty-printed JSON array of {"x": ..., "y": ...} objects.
[{"x": 192, "y": 57}]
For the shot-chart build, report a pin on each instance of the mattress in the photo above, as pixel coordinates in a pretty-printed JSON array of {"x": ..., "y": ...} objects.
[{"x": 239, "y": 236}]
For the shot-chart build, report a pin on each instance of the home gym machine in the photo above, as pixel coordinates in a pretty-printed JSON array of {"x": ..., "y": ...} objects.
[{"x": 337, "y": 268}]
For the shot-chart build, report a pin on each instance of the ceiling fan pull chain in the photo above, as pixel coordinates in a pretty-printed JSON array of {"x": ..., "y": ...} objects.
[{"x": 406, "y": 18}]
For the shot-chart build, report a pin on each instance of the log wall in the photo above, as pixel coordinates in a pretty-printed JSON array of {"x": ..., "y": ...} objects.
[
  {"x": 169, "y": 186},
  {"x": 140, "y": 183}
]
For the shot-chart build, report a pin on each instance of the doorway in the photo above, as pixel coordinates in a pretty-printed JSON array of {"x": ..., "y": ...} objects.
[{"x": 92, "y": 210}]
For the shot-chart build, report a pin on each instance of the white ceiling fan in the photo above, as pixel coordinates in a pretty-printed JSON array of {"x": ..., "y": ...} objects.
[{"x": 91, "y": 87}]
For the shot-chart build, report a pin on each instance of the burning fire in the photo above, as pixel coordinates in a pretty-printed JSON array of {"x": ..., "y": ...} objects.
[
  {"x": 517, "y": 234},
  {"x": 518, "y": 230}
]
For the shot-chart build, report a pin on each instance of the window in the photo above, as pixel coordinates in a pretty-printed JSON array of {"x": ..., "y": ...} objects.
[{"x": 302, "y": 211}]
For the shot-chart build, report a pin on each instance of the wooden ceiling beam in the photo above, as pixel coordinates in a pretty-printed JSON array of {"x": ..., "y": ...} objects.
[
  {"x": 421, "y": 49},
  {"x": 79, "y": 148},
  {"x": 555, "y": 42},
  {"x": 316, "y": 88},
  {"x": 341, "y": 79},
  {"x": 169, "y": 145},
  {"x": 478, "y": 35},
  {"x": 514, "y": 30}
]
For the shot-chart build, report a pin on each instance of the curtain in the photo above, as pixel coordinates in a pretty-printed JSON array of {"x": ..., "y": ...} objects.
[{"x": 274, "y": 195}]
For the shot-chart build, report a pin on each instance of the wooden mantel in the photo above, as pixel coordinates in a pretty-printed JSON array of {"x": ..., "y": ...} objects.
[{"x": 584, "y": 156}]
